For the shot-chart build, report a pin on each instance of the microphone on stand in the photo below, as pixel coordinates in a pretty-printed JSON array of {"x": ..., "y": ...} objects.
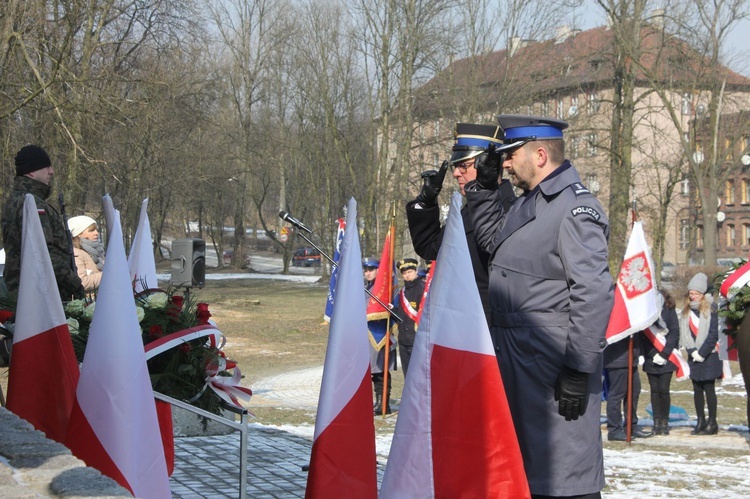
[{"x": 288, "y": 218}]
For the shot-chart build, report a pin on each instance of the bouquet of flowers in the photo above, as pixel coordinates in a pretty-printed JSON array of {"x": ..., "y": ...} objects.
[
  {"x": 183, "y": 348},
  {"x": 733, "y": 309}
]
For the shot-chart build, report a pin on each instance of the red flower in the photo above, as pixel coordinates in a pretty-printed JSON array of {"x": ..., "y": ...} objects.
[
  {"x": 155, "y": 331},
  {"x": 202, "y": 313},
  {"x": 175, "y": 306}
]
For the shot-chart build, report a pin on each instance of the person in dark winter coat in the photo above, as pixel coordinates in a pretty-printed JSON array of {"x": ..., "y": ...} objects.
[
  {"x": 699, "y": 333},
  {"x": 423, "y": 213},
  {"x": 551, "y": 297},
  {"x": 657, "y": 365},
  {"x": 407, "y": 307},
  {"x": 616, "y": 369}
]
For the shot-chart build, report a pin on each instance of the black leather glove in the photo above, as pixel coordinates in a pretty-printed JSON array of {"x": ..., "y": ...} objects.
[
  {"x": 571, "y": 389},
  {"x": 433, "y": 184},
  {"x": 489, "y": 167}
]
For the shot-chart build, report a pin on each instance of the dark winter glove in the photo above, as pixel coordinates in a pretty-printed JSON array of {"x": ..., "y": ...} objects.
[
  {"x": 489, "y": 167},
  {"x": 571, "y": 389},
  {"x": 433, "y": 183}
]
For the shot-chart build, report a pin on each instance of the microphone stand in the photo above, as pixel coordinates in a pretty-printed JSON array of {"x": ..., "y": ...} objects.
[{"x": 386, "y": 307}]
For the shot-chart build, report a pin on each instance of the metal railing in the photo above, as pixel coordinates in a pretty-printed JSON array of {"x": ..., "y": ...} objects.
[{"x": 241, "y": 426}]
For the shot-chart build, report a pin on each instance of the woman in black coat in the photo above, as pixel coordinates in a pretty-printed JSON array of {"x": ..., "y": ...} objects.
[
  {"x": 699, "y": 332},
  {"x": 657, "y": 365}
]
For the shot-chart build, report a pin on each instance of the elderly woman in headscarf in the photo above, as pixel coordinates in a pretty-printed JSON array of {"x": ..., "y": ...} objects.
[{"x": 88, "y": 251}]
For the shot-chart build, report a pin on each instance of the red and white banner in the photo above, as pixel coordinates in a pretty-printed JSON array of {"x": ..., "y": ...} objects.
[
  {"x": 445, "y": 443},
  {"x": 141, "y": 262},
  {"x": 43, "y": 370},
  {"x": 343, "y": 462},
  {"x": 659, "y": 341},
  {"x": 735, "y": 281},
  {"x": 114, "y": 426},
  {"x": 635, "y": 305}
]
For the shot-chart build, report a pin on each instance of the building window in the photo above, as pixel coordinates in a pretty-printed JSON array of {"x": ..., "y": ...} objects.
[
  {"x": 684, "y": 234},
  {"x": 746, "y": 234},
  {"x": 745, "y": 192},
  {"x": 728, "y": 148},
  {"x": 729, "y": 192},
  {"x": 685, "y": 187},
  {"x": 730, "y": 236},
  {"x": 437, "y": 129},
  {"x": 743, "y": 145},
  {"x": 593, "y": 103},
  {"x": 699, "y": 237},
  {"x": 687, "y": 107},
  {"x": 545, "y": 108},
  {"x": 573, "y": 106},
  {"x": 591, "y": 144},
  {"x": 560, "y": 109},
  {"x": 573, "y": 148}
]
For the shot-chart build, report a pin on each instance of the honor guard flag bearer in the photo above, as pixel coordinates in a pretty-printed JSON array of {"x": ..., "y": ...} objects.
[
  {"x": 454, "y": 435},
  {"x": 43, "y": 369},
  {"x": 343, "y": 462}
]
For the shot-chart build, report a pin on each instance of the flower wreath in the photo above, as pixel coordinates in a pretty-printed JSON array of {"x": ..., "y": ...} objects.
[{"x": 183, "y": 348}]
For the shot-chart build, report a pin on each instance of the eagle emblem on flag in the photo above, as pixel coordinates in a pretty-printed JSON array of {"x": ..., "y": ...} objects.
[{"x": 635, "y": 275}]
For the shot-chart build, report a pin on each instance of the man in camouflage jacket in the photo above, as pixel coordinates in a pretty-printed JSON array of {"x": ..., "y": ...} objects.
[{"x": 34, "y": 176}]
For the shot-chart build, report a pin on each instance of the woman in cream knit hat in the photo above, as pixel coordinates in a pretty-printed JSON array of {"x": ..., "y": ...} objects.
[{"x": 88, "y": 251}]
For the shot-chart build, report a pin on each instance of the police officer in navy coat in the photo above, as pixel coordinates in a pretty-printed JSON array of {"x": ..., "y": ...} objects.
[
  {"x": 423, "y": 213},
  {"x": 551, "y": 295}
]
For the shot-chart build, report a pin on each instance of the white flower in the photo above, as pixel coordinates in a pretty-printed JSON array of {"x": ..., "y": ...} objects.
[
  {"x": 156, "y": 300},
  {"x": 88, "y": 312},
  {"x": 140, "y": 313},
  {"x": 73, "y": 325}
]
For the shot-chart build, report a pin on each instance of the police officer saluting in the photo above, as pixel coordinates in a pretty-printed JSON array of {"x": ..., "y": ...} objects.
[
  {"x": 469, "y": 150},
  {"x": 551, "y": 296}
]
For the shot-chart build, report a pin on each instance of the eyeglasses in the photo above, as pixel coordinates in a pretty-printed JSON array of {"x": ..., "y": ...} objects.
[{"x": 463, "y": 166}]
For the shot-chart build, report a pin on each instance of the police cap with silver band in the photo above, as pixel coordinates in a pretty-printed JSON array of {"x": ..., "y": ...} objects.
[
  {"x": 472, "y": 140},
  {"x": 519, "y": 129}
]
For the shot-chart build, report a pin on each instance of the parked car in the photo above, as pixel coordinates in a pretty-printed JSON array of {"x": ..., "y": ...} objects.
[
  {"x": 306, "y": 257},
  {"x": 667, "y": 271}
]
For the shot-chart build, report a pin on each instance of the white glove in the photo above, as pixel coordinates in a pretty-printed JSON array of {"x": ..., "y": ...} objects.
[
  {"x": 659, "y": 360},
  {"x": 696, "y": 356}
]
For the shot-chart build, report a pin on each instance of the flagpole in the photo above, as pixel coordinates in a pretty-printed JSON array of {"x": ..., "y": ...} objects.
[
  {"x": 629, "y": 398},
  {"x": 392, "y": 232}
]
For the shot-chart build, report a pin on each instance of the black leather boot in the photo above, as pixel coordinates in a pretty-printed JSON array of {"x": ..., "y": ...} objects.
[
  {"x": 699, "y": 426},
  {"x": 665, "y": 426},
  {"x": 378, "y": 407},
  {"x": 712, "y": 428},
  {"x": 657, "y": 426}
]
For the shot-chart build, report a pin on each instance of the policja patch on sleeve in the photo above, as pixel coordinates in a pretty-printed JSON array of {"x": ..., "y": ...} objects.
[{"x": 586, "y": 210}]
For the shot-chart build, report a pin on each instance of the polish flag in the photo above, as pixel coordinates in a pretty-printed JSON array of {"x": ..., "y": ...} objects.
[
  {"x": 454, "y": 435},
  {"x": 141, "y": 258},
  {"x": 676, "y": 358},
  {"x": 343, "y": 462},
  {"x": 43, "y": 369},
  {"x": 635, "y": 305},
  {"x": 114, "y": 426},
  {"x": 734, "y": 281}
]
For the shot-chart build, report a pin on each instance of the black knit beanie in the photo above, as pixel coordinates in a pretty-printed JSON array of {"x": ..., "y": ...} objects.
[{"x": 30, "y": 159}]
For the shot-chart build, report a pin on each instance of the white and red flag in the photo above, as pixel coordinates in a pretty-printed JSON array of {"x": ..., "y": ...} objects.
[
  {"x": 141, "y": 262},
  {"x": 114, "y": 427},
  {"x": 734, "y": 281},
  {"x": 635, "y": 305},
  {"x": 343, "y": 462},
  {"x": 43, "y": 370},
  {"x": 454, "y": 435}
]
